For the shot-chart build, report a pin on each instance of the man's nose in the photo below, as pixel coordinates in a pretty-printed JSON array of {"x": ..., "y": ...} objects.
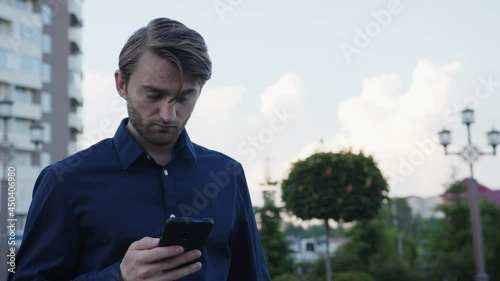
[{"x": 167, "y": 111}]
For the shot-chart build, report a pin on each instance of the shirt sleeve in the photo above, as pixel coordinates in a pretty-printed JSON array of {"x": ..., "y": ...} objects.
[
  {"x": 247, "y": 256},
  {"x": 51, "y": 242}
]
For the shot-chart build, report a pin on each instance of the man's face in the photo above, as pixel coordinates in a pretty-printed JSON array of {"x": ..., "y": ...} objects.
[{"x": 149, "y": 94}]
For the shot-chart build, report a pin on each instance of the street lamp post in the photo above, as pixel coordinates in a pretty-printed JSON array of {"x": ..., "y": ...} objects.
[
  {"x": 470, "y": 154},
  {"x": 36, "y": 134}
]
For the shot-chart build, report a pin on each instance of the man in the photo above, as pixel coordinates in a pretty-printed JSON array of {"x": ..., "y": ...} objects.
[{"x": 94, "y": 214}]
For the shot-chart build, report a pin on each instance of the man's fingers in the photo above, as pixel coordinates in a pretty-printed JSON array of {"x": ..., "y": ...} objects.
[
  {"x": 145, "y": 243},
  {"x": 160, "y": 253},
  {"x": 179, "y": 272},
  {"x": 177, "y": 261}
]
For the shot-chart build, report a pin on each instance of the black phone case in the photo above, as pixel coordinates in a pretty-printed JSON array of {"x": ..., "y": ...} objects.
[{"x": 190, "y": 233}]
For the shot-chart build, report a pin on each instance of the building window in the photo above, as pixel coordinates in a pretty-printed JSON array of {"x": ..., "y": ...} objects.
[
  {"x": 46, "y": 72},
  {"x": 5, "y": 27},
  {"x": 75, "y": 78},
  {"x": 3, "y": 59},
  {"x": 6, "y": 60},
  {"x": 23, "y": 95},
  {"x": 24, "y": 5},
  {"x": 45, "y": 159},
  {"x": 21, "y": 221},
  {"x": 47, "y": 132},
  {"x": 47, "y": 14},
  {"x": 30, "y": 65},
  {"x": 46, "y": 102},
  {"x": 21, "y": 126},
  {"x": 22, "y": 158},
  {"x": 4, "y": 91},
  {"x": 47, "y": 43}
]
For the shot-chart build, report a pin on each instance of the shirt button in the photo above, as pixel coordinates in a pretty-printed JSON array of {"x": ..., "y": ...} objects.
[
  {"x": 165, "y": 172},
  {"x": 149, "y": 157}
]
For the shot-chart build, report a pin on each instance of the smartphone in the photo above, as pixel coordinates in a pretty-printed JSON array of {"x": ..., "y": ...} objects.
[{"x": 190, "y": 233}]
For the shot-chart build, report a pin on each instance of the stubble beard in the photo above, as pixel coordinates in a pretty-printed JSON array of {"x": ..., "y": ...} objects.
[{"x": 150, "y": 132}]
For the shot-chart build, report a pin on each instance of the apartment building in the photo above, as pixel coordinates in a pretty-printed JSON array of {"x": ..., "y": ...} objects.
[{"x": 41, "y": 72}]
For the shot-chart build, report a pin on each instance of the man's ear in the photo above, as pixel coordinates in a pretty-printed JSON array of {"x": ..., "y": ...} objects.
[{"x": 121, "y": 86}]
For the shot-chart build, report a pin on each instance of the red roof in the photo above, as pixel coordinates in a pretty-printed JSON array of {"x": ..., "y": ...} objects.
[
  {"x": 480, "y": 187},
  {"x": 484, "y": 192}
]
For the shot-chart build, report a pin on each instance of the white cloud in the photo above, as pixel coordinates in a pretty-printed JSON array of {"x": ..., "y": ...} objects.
[
  {"x": 214, "y": 117},
  {"x": 286, "y": 92},
  {"x": 399, "y": 127},
  {"x": 215, "y": 107}
]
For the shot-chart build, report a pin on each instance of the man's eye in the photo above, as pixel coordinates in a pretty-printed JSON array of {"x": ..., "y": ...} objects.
[
  {"x": 184, "y": 98},
  {"x": 153, "y": 96}
]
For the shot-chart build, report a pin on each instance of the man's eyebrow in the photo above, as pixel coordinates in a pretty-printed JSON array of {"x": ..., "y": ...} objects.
[
  {"x": 155, "y": 89},
  {"x": 152, "y": 88}
]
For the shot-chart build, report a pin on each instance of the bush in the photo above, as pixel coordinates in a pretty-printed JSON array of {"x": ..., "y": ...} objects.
[
  {"x": 342, "y": 276},
  {"x": 288, "y": 277},
  {"x": 395, "y": 270},
  {"x": 352, "y": 276}
]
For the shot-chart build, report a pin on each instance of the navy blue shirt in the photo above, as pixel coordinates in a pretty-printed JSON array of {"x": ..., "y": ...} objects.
[{"x": 88, "y": 208}]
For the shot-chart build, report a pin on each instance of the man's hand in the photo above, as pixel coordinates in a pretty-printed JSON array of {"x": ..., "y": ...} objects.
[{"x": 144, "y": 260}]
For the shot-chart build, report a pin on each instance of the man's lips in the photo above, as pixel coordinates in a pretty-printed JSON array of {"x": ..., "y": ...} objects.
[{"x": 166, "y": 126}]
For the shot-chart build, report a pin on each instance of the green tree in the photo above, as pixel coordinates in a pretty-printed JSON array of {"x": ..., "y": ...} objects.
[
  {"x": 340, "y": 186},
  {"x": 353, "y": 276},
  {"x": 314, "y": 231},
  {"x": 274, "y": 244},
  {"x": 372, "y": 248},
  {"x": 449, "y": 240},
  {"x": 494, "y": 270}
]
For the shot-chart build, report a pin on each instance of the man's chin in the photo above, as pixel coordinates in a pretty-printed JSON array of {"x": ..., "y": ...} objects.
[{"x": 163, "y": 138}]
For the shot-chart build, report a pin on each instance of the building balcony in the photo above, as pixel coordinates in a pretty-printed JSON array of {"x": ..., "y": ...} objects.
[
  {"x": 12, "y": 41},
  {"x": 8, "y": 11},
  {"x": 75, "y": 62},
  {"x": 21, "y": 141},
  {"x": 22, "y": 79},
  {"x": 74, "y": 122},
  {"x": 75, "y": 39},
  {"x": 7, "y": 41},
  {"x": 72, "y": 147},
  {"x": 75, "y": 94},
  {"x": 27, "y": 111},
  {"x": 75, "y": 8}
]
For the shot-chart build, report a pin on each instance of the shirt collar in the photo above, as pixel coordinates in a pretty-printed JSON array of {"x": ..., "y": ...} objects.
[
  {"x": 129, "y": 149},
  {"x": 184, "y": 147}
]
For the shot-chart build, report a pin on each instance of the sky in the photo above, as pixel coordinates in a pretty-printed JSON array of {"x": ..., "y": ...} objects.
[{"x": 378, "y": 76}]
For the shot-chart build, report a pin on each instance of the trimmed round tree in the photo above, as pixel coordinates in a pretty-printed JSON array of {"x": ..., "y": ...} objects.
[{"x": 341, "y": 186}]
